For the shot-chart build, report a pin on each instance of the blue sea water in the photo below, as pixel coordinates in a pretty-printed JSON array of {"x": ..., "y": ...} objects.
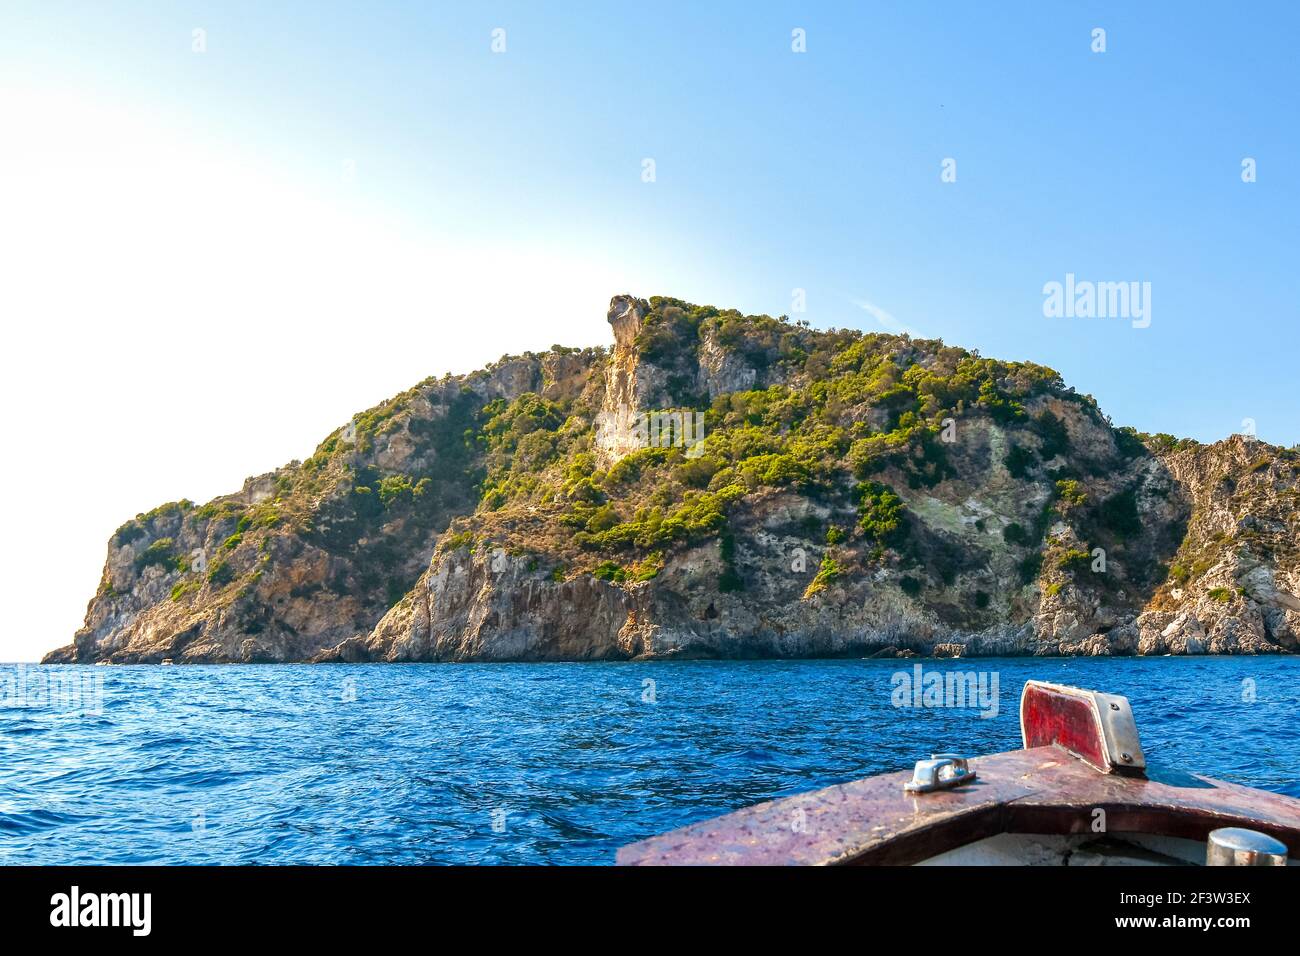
[{"x": 532, "y": 763}]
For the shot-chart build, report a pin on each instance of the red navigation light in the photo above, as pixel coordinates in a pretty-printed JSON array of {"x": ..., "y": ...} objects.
[{"x": 1097, "y": 728}]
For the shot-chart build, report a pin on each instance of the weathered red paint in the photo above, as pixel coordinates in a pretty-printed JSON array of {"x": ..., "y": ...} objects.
[{"x": 1049, "y": 716}]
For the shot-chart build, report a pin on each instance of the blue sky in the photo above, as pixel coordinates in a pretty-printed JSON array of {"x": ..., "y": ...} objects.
[
  {"x": 817, "y": 171},
  {"x": 210, "y": 260}
]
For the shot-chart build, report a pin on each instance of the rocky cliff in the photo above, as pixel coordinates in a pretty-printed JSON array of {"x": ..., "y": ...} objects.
[{"x": 721, "y": 485}]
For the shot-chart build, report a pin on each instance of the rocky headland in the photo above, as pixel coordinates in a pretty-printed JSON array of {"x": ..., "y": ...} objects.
[{"x": 720, "y": 485}]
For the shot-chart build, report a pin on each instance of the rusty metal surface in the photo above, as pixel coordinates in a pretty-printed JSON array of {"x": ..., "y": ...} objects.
[{"x": 1042, "y": 790}]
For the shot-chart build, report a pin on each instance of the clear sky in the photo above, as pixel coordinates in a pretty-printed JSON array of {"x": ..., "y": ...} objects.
[{"x": 210, "y": 259}]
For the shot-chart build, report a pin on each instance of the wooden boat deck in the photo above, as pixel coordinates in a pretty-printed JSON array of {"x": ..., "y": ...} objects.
[{"x": 1041, "y": 790}]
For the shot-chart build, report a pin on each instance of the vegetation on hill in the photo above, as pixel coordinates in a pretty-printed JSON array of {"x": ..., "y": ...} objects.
[
  {"x": 978, "y": 490},
  {"x": 833, "y": 415}
]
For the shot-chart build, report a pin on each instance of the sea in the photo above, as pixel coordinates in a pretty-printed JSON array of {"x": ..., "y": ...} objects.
[{"x": 539, "y": 763}]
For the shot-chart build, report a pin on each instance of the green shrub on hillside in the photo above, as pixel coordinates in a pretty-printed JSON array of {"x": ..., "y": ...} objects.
[
  {"x": 160, "y": 553},
  {"x": 773, "y": 470},
  {"x": 880, "y": 512},
  {"x": 1019, "y": 460},
  {"x": 1054, "y": 435},
  {"x": 700, "y": 514},
  {"x": 829, "y": 572},
  {"x": 221, "y": 573},
  {"x": 129, "y": 532},
  {"x": 1015, "y": 534},
  {"x": 1164, "y": 443},
  {"x": 457, "y": 540},
  {"x": 610, "y": 571},
  {"x": 182, "y": 589},
  {"x": 1070, "y": 494},
  {"x": 1074, "y": 559}
]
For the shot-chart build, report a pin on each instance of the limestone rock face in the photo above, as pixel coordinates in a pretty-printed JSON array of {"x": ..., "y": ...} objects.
[
  {"x": 722, "y": 370},
  {"x": 506, "y": 515},
  {"x": 628, "y": 382}
]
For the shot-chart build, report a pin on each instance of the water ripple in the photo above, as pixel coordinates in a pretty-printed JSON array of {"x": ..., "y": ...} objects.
[{"x": 558, "y": 763}]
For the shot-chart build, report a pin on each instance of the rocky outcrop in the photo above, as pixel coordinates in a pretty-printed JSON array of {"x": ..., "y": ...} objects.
[
  {"x": 475, "y": 605},
  {"x": 722, "y": 370},
  {"x": 1235, "y": 582},
  {"x": 629, "y": 384},
  {"x": 494, "y": 606},
  {"x": 509, "y": 515}
]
